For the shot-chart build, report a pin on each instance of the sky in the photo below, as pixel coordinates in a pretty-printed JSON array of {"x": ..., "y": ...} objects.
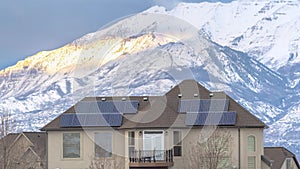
[{"x": 30, "y": 26}]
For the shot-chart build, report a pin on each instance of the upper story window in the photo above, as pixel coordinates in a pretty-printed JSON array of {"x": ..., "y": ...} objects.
[
  {"x": 251, "y": 143},
  {"x": 103, "y": 144},
  {"x": 131, "y": 142},
  {"x": 71, "y": 145},
  {"x": 177, "y": 143}
]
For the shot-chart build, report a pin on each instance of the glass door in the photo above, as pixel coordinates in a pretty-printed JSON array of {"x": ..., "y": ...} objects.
[{"x": 154, "y": 144}]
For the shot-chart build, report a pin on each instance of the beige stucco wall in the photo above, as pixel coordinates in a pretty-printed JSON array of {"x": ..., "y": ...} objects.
[
  {"x": 259, "y": 139},
  {"x": 191, "y": 135},
  {"x": 120, "y": 147},
  {"x": 55, "y": 150}
]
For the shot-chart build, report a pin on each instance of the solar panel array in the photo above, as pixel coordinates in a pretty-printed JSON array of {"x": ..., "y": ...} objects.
[
  {"x": 91, "y": 120},
  {"x": 214, "y": 105},
  {"x": 210, "y": 118},
  {"x": 107, "y": 106}
]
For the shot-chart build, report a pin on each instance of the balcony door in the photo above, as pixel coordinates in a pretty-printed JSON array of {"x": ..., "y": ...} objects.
[{"x": 154, "y": 140}]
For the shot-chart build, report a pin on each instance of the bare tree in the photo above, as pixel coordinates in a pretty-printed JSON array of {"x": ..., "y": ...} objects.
[
  {"x": 105, "y": 163},
  {"x": 5, "y": 127},
  {"x": 212, "y": 150},
  {"x": 100, "y": 163}
]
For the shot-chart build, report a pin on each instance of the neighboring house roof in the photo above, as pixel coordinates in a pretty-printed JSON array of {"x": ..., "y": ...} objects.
[
  {"x": 278, "y": 155},
  {"x": 36, "y": 139},
  {"x": 163, "y": 111}
]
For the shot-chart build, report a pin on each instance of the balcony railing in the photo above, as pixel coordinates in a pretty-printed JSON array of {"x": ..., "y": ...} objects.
[{"x": 151, "y": 158}]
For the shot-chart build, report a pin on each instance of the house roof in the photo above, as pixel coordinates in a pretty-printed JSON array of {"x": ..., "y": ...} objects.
[
  {"x": 37, "y": 140},
  {"x": 162, "y": 111},
  {"x": 278, "y": 155}
]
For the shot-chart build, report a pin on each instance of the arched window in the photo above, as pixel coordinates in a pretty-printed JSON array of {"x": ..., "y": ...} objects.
[{"x": 251, "y": 143}]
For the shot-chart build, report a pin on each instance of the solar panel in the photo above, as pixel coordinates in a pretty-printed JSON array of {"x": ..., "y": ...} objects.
[
  {"x": 78, "y": 120},
  {"x": 131, "y": 107},
  {"x": 87, "y": 107},
  {"x": 94, "y": 120},
  {"x": 203, "y": 119},
  {"x": 66, "y": 120},
  {"x": 113, "y": 120},
  {"x": 203, "y": 105},
  {"x": 188, "y": 106},
  {"x": 107, "y": 106},
  {"x": 214, "y": 105},
  {"x": 91, "y": 120}
]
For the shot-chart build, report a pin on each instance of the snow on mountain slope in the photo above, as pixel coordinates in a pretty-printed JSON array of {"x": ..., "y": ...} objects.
[
  {"x": 146, "y": 54},
  {"x": 266, "y": 30},
  {"x": 46, "y": 68},
  {"x": 286, "y": 131}
]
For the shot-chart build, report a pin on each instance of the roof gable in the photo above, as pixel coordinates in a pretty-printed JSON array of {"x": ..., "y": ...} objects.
[
  {"x": 278, "y": 155},
  {"x": 38, "y": 139}
]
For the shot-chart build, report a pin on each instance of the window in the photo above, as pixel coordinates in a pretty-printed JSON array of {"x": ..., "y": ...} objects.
[
  {"x": 71, "y": 145},
  {"x": 103, "y": 145},
  {"x": 251, "y": 143},
  {"x": 251, "y": 162},
  {"x": 131, "y": 143},
  {"x": 289, "y": 163},
  {"x": 177, "y": 143}
]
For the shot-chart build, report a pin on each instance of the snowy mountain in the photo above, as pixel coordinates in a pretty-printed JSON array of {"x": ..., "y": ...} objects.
[
  {"x": 148, "y": 53},
  {"x": 266, "y": 30}
]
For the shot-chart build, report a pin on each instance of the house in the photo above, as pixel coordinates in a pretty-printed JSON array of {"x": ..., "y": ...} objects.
[
  {"x": 4, "y": 145},
  {"x": 23, "y": 151},
  {"x": 280, "y": 158},
  {"x": 187, "y": 127}
]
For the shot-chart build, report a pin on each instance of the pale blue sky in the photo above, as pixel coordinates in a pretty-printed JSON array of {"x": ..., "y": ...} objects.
[{"x": 30, "y": 26}]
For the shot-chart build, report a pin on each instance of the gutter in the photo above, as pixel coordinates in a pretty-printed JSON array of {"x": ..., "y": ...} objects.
[
  {"x": 239, "y": 146},
  {"x": 46, "y": 150}
]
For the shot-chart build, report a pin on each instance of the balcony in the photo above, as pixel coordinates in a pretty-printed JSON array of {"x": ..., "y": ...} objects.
[{"x": 150, "y": 158}]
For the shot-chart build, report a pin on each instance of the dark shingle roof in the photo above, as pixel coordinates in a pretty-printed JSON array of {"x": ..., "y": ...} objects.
[
  {"x": 162, "y": 111},
  {"x": 278, "y": 155}
]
